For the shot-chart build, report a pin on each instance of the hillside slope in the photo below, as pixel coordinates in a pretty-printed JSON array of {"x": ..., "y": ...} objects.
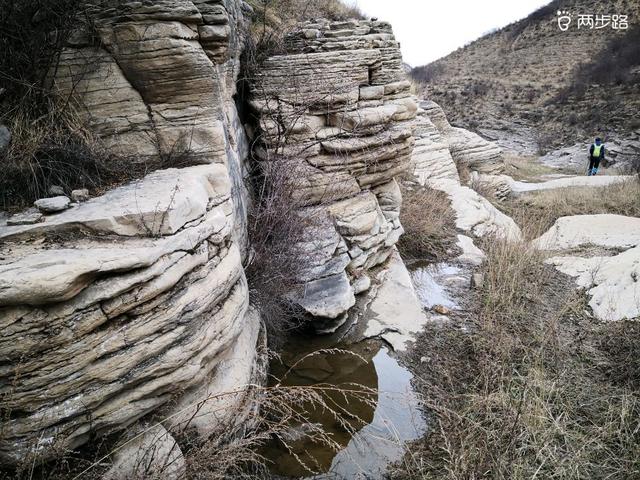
[{"x": 534, "y": 87}]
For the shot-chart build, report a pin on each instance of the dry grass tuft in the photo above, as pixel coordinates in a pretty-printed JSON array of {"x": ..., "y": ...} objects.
[
  {"x": 277, "y": 230},
  {"x": 524, "y": 388},
  {"x": 528, "y": 169},
  {"x": 429, "y": 224}
]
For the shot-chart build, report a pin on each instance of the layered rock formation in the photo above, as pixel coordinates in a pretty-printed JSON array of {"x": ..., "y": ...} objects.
[
  {"x": 115, "y": 307},
  {"x": 155, "y": 81},
  {"x": 466, "y": 147},
  {"x": 110, "y": 307},
  {"x": 439, "y": 147},
  {"x": 337, "y": 112}
]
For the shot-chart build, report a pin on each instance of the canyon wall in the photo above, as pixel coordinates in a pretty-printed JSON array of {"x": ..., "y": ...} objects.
[
  {"x": 115, "y": 307},
  {"x": 134, "y": 305},
  {"x": 335, "y": 110}
]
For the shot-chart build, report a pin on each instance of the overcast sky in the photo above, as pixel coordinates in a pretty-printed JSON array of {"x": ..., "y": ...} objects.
[{"x": 430, "y": 29}]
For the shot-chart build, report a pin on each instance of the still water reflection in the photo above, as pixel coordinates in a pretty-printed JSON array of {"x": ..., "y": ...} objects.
[{"x": 388, "y": 417}]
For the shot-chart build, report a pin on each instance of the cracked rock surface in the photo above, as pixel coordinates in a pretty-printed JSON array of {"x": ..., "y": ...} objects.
[{"x": 336, "y": 105}]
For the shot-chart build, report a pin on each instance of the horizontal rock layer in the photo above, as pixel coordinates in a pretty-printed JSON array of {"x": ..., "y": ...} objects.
[
  {"x": 337, "y": 108},
  {"x": 99, "y": 330}
]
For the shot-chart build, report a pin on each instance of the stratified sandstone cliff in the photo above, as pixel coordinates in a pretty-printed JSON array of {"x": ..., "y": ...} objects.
[
  {"x": 134, "y": 304},
  {"x": 336, "y": 109},
  {"x": 111, "y": 308}
]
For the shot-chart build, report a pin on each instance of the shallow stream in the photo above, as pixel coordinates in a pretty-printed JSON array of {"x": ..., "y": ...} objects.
[{"x": 390, "y": 416}]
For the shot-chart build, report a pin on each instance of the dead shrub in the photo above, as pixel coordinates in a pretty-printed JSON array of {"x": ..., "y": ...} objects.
[
  {"x": 429, "y": 224},
  {"x": 427, "y": 73},
  {"x": 44, "y": 144},
  {"x": 272, "y": 20},
  {"x": 49, "y": 151},
  {"x": 50, "y": 143},
  {"x": 620, "y": 341},
  {"x": 276, "y": 233}
]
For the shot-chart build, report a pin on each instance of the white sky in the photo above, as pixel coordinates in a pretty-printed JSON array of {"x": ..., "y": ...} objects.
[{"x": 430, "y": 29}]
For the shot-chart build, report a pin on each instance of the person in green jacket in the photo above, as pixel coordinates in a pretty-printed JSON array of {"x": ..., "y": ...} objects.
[{"x": 596, "y": 154}]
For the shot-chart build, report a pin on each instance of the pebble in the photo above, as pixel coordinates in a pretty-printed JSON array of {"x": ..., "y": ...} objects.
[
  {"x": 56, "y": 190},
  {"x": 441, "y": 309},
  {"x": 477, "y": 280},
  {"x": 5, "y": 138}
]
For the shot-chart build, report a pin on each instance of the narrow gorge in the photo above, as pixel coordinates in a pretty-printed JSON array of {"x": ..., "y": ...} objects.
[{"x": 130, "y": 328}]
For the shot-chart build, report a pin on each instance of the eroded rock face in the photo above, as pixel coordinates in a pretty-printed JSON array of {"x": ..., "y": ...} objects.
[
  {"x": 465, "y": 146},
  {"x": 438, "y": 144},
  {"x": 108, "y": 323},
  {"x": 431, "y": 158},
  {"x": 158, "y": 82},
  {"x": 135, "y": 304},
  {"x": 337, "y": 108}
]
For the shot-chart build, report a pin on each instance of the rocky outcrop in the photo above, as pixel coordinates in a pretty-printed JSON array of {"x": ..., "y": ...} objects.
[
  {"x": 466, "y": 147},
  {"x": 431, "y": 159},
  {"x": 110, "y": 308},
  {"x": 610, "y": 278},
  {"x": 568, "y": 182},
  {"x": 134, "y": 304},
  {"x": 337, "y": 111},
  {"x": 155, "y": 81},
  {"x": 433, "y": 164},
  {"x": 475, "y": 214},
  {"x": 395, "y": 314},
  {"x": 611, "y": 282}
]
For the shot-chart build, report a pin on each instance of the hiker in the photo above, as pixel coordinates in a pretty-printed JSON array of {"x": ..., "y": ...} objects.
[{"x": 596, "y": 154}]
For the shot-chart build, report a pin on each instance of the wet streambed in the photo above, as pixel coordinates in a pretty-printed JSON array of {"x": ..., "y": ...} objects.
[
  {"x": 378, "y": 425},
  {"x": 387, "y": 418}
]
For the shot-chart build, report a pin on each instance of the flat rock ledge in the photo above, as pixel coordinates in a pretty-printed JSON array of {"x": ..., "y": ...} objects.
[
  {"x": 570, "y": 182},
  {"x": 612, "y": 282},
  {"x": 603, "y": 230}
]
